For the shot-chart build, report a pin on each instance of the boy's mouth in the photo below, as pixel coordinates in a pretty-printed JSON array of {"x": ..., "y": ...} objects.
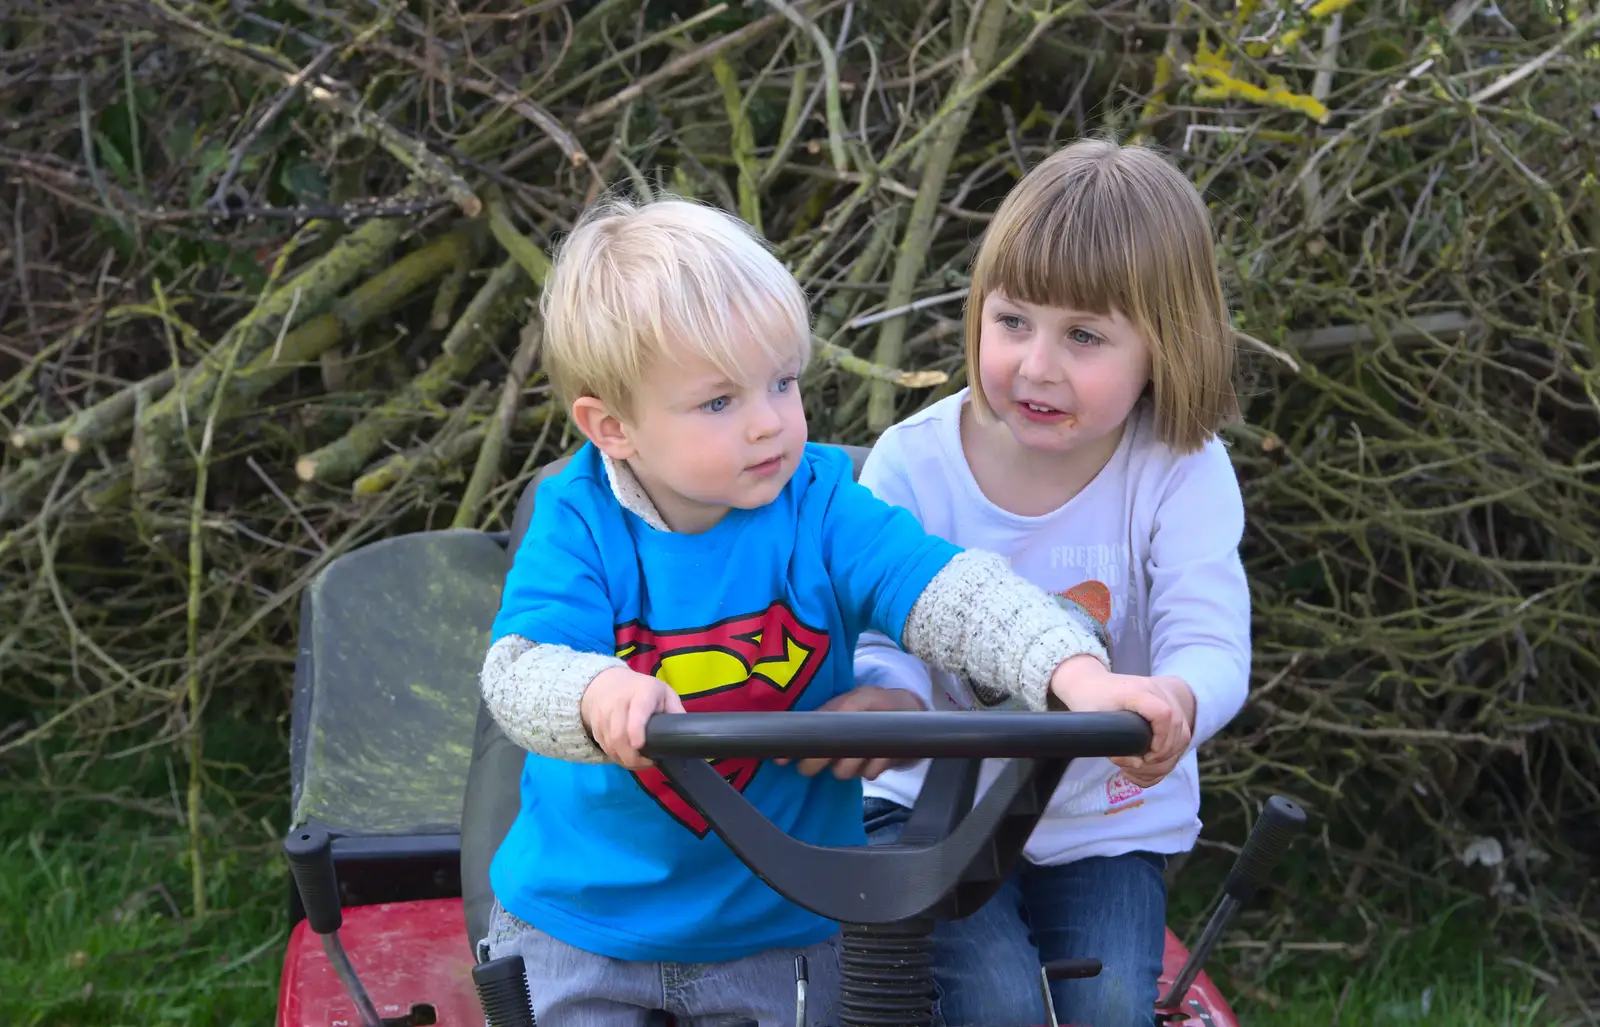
[{"x": 766, "y": 467}]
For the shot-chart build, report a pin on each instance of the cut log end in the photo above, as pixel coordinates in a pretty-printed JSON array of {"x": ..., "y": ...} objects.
[
  {"x": 71, "y": 443},
  {"x": 305, "y": 469}
]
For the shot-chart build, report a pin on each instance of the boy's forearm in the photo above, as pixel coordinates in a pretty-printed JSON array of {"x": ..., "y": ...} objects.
[
  {"x": 1004, "y": 634},
  {"x": 533, "y": 692}
]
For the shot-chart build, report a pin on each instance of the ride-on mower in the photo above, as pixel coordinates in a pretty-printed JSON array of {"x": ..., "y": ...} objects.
[{"x": 403, "y": 787}]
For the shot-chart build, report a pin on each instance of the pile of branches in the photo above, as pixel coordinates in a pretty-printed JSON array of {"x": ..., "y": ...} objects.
[{"x": 271, "y": 272}]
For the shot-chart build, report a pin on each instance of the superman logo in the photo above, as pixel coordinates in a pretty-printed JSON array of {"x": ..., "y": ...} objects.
[{"x": 755, "y": 662}]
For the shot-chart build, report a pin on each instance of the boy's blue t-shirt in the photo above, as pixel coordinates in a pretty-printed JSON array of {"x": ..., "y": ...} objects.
[{"x": 762, "y": 612}]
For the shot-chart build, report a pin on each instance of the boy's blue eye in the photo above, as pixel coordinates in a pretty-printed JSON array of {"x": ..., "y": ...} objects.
[
  {"x": 715, "y": 406},
  {"x": 786, "y": 381}
]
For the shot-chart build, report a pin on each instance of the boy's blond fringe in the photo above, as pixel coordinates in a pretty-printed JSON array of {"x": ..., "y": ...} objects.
[{"x": 638, "y": 286}]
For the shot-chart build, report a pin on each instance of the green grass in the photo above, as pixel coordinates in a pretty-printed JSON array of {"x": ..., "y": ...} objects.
[
  {"x": 96, "y": 905},
  {"x": 95, "y": 913},
  {"x": 1439, "y": 976}
]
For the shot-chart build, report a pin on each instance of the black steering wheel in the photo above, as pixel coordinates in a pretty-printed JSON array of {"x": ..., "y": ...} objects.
[{"x": 951, "y": 855}]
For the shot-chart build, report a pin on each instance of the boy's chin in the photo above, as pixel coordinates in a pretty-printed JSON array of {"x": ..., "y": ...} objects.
[{"x": 755, "y": 496}]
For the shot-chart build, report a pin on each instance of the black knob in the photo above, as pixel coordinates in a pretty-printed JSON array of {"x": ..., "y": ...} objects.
[
  {"x": 1066, "y": 969},
  {"x": 503, "y": 991},
  {"x": 310, "y": 852},
  {"x": 1277, "y": 826}
]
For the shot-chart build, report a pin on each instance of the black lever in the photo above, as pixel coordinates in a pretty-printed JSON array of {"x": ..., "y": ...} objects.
[
  {"x": 1280, "y": 821},
  {"x": 503, "y": 992},
  {"x": 310, "y": 852},
  {"x": 1070, "y": 969},
  {"x": 802, "y": 981},
  {"x": 1061, "y": 970}
]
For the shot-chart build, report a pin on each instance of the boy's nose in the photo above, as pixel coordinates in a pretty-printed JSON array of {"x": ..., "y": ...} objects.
[{"x": 764, "y": 422}]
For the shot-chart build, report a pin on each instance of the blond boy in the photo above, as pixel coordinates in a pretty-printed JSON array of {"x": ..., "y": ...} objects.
[{"x": 696, "y": 555}]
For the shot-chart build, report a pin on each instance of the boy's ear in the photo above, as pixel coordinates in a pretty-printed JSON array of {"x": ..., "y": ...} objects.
[{"x": 602, "y": 427}]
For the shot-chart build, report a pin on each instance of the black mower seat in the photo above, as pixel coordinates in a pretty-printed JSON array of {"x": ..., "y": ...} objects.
[
  {"x": 392, "y": 636},
  {"x": 493, "y": 790}
]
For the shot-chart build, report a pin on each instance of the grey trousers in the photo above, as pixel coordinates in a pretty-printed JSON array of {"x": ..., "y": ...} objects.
[{"x": 575, "y": 988}]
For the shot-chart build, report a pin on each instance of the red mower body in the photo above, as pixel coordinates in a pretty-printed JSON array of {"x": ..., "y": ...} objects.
[
  {"x": 415, "y": 961},
  {"x": 409, "y": 955},
  {"x": 1204, "y": 1005}
]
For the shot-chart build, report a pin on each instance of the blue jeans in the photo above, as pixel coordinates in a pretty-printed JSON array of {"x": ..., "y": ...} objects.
[
  {"x": 581, "y": 989},
  {"x": 986, "y": 966}
]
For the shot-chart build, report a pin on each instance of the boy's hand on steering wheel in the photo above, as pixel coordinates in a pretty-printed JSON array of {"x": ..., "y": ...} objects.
[
  {"x": 617, "y": 705},
  {"x": 1083, "y": 684},
  {"x": 862, "y": 699}
]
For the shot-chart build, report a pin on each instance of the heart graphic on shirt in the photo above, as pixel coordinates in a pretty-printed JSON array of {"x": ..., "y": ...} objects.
[{"x": 1094, "y": 597}]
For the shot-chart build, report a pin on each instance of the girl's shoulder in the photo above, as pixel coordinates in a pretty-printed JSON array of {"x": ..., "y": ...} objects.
[
  {"x": 940, "y": 415},
  {"x": 932, "y": 435},
  {"x": 1147, "y": 447},
  {"x": 1156, "y": 466}
]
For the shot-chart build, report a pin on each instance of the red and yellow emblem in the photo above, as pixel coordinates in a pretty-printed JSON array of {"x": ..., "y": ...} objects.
[{"x": 754, "y": 662}]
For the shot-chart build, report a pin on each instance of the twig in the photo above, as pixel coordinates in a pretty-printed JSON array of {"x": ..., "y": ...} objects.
[
  {"x": 1585, "y": 25},
  {"x": 673, "y": 68},
  {"x": 941, "y": 150},
  {"x": 219, "y": 198},
  {"x": 1270, "y": 350},
  {"x": 442, "y": 451},
  {"x": 311, "y": 290},
  {"x": 288, "y": 504},
  {"x": 491, "y": 312},
  {"x": 523, "y": 250},
  {"x": 1320, "y": 343},
  {"x": 906, "y": 308},
  {"x": 96, "y": 422},
  {"x": 194, "y": 726},
  {"x": 488, "y": 462},
  {"x": 422, "y": 162},
  {"x": 742, "y": 143},
  {"x": 847, "y": 361},
  {"x": 830, "y": 78}
]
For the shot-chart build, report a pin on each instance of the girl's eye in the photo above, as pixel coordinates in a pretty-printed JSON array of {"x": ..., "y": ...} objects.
[
  {"x": 715, "y": 406},
  {"x": 1084, "y": 337},
  {"x": 1011, "y": 321}
]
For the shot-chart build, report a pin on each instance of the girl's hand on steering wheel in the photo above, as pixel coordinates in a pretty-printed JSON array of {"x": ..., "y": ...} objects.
[
  {"x": 1083, "y": 684},
  {"x": 863, "y": 699}
]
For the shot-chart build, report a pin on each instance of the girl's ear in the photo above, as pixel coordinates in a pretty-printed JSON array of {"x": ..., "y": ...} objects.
[{"x": 605, "y": 429}]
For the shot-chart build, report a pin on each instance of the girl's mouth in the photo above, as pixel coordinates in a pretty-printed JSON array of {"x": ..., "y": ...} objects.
[{"x": 1038, "y": 413}]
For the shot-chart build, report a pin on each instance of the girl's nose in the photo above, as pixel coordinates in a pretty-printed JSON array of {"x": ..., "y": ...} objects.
[{"x": 1039, "y": 362}]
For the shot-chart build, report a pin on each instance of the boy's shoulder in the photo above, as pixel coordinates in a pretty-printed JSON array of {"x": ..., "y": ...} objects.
[
  {"x": 581, "y": 484},
  {"x": 575, "y": 508},
  {"x": 825, "y": 465}
]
